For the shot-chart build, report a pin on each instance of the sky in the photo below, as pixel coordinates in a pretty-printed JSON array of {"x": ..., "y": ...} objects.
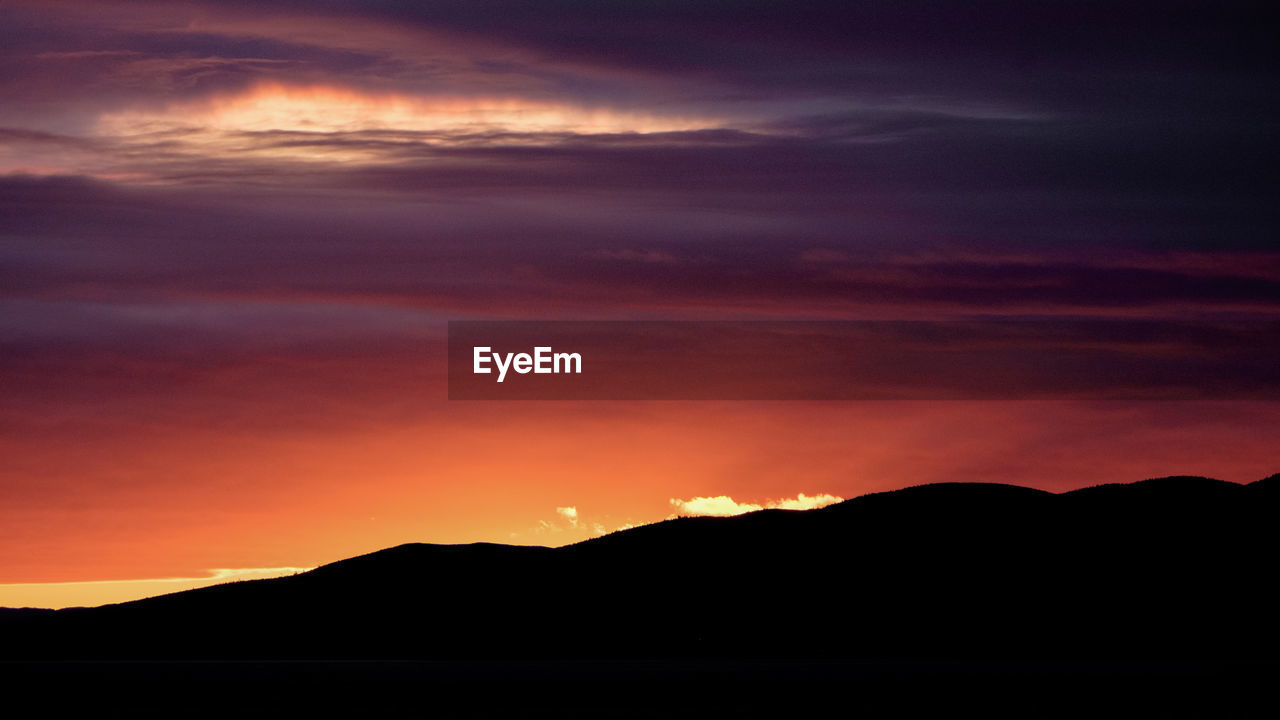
[{"x": 232, "y": 235}]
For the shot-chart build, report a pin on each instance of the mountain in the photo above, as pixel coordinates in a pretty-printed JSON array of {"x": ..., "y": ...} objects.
[
  {"x": 1140, "y": 600},
  {"x": 1171, "y": 569}
]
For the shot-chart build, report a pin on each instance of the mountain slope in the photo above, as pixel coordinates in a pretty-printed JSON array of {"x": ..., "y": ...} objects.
[{"x": 1171, "y": 568}]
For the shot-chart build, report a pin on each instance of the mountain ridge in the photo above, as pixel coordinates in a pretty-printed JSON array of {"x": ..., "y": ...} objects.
[
  {"x": 1164, "y": 483},
  {"x": 1168, "y": 567}
]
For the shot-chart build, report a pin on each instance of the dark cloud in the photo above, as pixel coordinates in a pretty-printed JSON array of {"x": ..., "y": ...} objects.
[
  {"x": 497, "y": 242},
  {"x": 670, "y": 33},
  {"x": 936, "y": 157},
  {"x": 1082, "y": 57}
]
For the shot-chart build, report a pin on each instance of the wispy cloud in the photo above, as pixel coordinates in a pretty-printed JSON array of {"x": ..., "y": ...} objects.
[
  {"x": 723, "y": 505},
  {"x": 570, "y": 514},
  {"x": 104, "y": 592},
  {"x": 571, "y": 521}
]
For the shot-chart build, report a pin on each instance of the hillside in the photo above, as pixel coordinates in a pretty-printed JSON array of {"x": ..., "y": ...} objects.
[{"x": 1171, "y": 569}]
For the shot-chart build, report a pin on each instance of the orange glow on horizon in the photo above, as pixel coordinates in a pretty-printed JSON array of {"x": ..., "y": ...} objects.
[
  {"x": 199, "y": 492},
  {"x": 105, "y": 592}
]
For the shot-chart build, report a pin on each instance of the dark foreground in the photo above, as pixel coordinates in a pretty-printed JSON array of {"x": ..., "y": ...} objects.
[
  {"x": 631, "y": 688},
  {"x": 1149, "y": 599}
]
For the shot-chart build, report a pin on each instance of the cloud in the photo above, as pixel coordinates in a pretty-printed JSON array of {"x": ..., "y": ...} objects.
[
  {"x": 723, "y": 505},
  {"x": 806, "y": 502},
  {"x": 719, "y": 505},
  {"x": 570, "y": 514}
]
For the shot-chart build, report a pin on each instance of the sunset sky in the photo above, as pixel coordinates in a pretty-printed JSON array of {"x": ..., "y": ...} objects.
[{"x": 232, "y": 235}]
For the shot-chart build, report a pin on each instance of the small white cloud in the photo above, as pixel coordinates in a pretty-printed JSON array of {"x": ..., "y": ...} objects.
[
  {"x": 227, "y": 574},
  {"x": 723, "y": 505},
  {"x": 806, "y": 502},
  {"x": 569, "y": 520},
  {"x": 569, "y": 513}
]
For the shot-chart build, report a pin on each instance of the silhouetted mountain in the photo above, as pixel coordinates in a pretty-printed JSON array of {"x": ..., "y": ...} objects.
[
  {"x": 19, "y": 614},
  {"x": 1174, "y": 569}
]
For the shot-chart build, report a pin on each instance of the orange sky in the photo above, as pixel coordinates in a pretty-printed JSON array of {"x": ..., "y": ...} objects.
[{"x": 157, "y": 502}]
